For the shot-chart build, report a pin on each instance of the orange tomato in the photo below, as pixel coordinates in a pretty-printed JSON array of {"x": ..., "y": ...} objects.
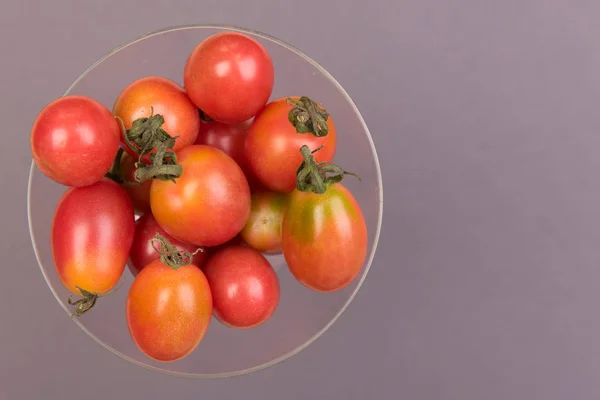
[
  {"x": 168, "y": 311},
  {"x": 210, "y": 202},
  {"x": 159, "y": 96}
]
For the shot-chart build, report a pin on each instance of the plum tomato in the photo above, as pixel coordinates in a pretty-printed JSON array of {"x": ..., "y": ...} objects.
[
  {"x": 229, "y": 76},
  {"x": 209, "y": 204},
  {"x": 244, "y": 286},
  {"x": 168, "y": 310},
  {"x": 231, "y": 139},
  {"x": 263, "y": 229},
  {"x": 323, "y": 233},
  {"x": 152, "y": 96},
  {"x": 91, "y": 236},
  {"x": 273, "y": 142},
  {"x": 143, "y": 251},
  {"x": 74, "y": 140}
]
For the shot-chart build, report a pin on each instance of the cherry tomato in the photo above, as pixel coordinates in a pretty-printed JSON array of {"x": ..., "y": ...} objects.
[
  {"x": 74, "y": 140},
  {"x": 324, "y": 238},
  {"x": 156, "y": 95},
  {"x": 245, "y": 288},
  {"x": 229, "y": 76},
  {"x": 138, "y": 193},
  {"x": 143, "y": 252},
  {"x": 272, "y": 146},
  {"x": 209, "y": 204},
  {"x": 92, "y": 233},
  {"x": 263, "y": 229},
  {"x": 230, "y": 138},
  {"x": 168, "y": 311}
]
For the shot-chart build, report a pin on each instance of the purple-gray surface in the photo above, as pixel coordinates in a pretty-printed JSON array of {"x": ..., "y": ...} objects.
[{"x": 487, "y": 277}]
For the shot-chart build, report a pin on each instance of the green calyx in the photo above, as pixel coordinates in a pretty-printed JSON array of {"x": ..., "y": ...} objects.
[
  {"x": 146, "y": 134},
  {"x": 308, "y": 117},
  {"x": 316, "y": 177},
  {"x": 171, "y": 255}
]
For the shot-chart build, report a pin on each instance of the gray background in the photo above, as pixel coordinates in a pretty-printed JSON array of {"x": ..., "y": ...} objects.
[{"x": 486, "y": 284}]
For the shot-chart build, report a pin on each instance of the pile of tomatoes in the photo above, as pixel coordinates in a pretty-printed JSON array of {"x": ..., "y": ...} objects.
[{"x": 190, "y": 187}]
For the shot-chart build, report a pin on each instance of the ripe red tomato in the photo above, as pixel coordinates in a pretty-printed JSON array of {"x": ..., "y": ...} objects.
[
  {"x": 74, "y": 140},
  {"x": 272, "y": 146},
  {"x": 168, "y": 311},
  {"x": 140, "y": 193},
  {"x": 157, "y": 95},
  {"x": 263, "y": 229},
  {"x": 143, "y": 252},
  {"x": 209, "y": 204},
  {"x": 92, "y": 233},
  {"x": 324, "y": 238},
  {"x": 229, "y": 76},
  {"x": 245, "y": 288},
  {"x": 230, "y": 138}
]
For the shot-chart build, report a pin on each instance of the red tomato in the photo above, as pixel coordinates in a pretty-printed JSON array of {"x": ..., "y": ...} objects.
[
  {"x": 209, "y": 204},
  {"x": 143, "y": 252},
  {"x": 245, "y": 288},
  {"x": 229, "y": 76},
  {"x": 272, "y": 146},
  {"x": 324, "y": 238},
  {"x": 92, "y": 233},
  {"x": 263, "y": 229},
  {"x": 74, "y": 140},
  {"x": 140, "y": 193},
  {"x": 159, "y": 96},
  {"x": 168, "y": 311},
  {"x": 230, "y": 138}
]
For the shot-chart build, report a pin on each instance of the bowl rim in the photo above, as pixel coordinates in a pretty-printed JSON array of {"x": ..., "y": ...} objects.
[{"x": 368, "y": 261}]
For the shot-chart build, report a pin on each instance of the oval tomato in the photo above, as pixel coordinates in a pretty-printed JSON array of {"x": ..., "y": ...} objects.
[
  {"x": 74, "y": 140},
  {"x": 92, "y": 233},
  {"x": 324, "y": 238},
  {"x": 272, "y": 146},
  {"x": 244, "y": 286},
  {"x": 156, "y": 95},
  {"x": 142, "y": 250},
  {"x": 209, "y": 204},
  {"x": 138, "y": 193},
  {"x": 263, "y": 229},
  {"x": 229, "y": 76},
  {"x": 230, "y": 138},
  {"x": 168, "y": 311}
]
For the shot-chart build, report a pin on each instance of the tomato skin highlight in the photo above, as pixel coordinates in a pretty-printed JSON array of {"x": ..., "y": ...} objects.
[
  {"x": 139, "y": 194},
  {"x": 74, "y": 140},
  {"x": 229, "y": 76},
  {"x": 143, "y": 252},
  {"x": 263, "y": 229},
  {"x": 324, "y": 238},
  {"x": 245, "y": 288},
  {"x": 91, "y": 235},
  {"x": 209, "y": 204},
  {"x": 272, "y": 146},
  {"x": 162, "y": 96},
  {"x": 168, "y": 311}
]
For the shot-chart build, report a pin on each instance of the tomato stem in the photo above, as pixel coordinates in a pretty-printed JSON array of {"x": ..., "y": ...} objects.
[
  {"x": 308, "y": 117},
  {"x": 115, "y": 172},
  {"x": 88, "y": 300},
  {"x": 171, "y": 255},
  {"x": 313, "y": 176},
  {"x": 145, "y": 135}
]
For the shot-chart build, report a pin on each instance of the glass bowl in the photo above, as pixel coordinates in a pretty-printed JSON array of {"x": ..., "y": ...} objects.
[{"x": 303, "y": 314}]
